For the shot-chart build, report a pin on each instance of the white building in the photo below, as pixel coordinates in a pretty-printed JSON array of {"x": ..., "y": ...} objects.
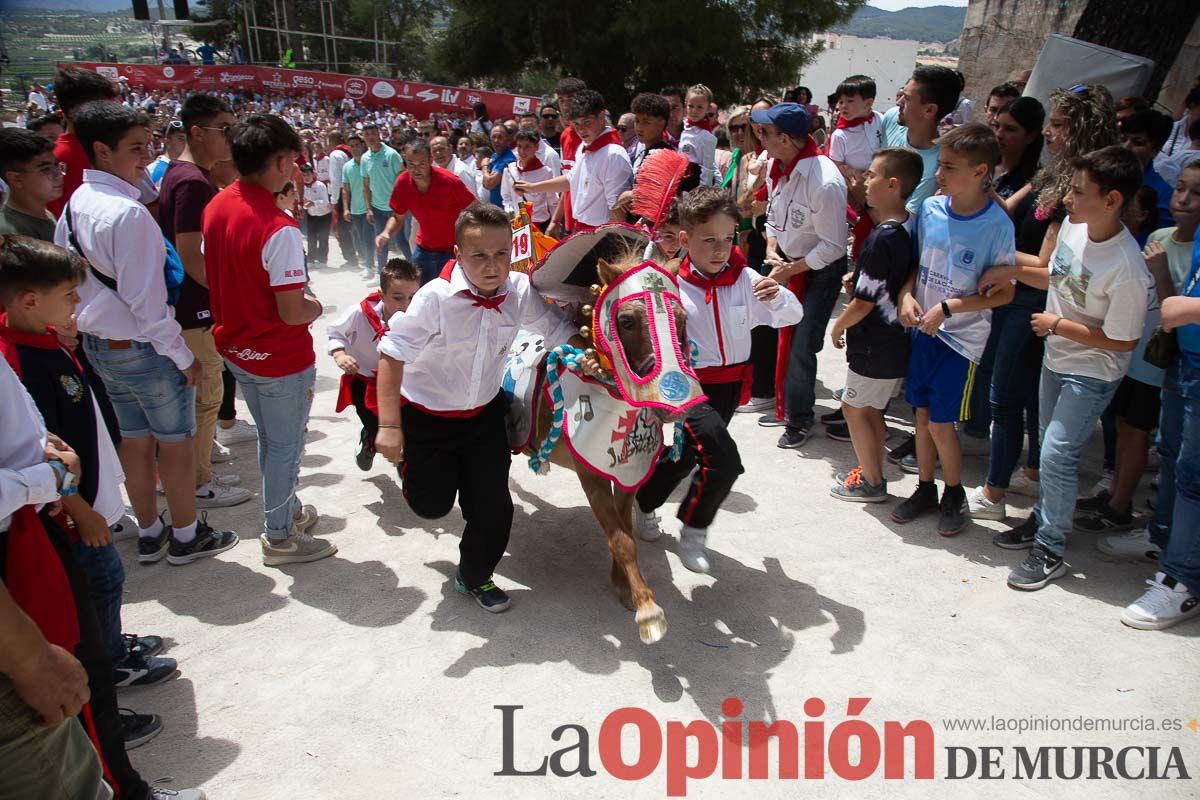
[{"x": 889, "y": 61}]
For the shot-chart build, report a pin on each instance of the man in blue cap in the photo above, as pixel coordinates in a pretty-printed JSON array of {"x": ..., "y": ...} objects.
[{"x": 806, "y": 236}]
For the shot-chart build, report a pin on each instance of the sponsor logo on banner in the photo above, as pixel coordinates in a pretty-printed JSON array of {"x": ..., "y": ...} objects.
[
  {"x": 108, "y": 72},
  {"x": 302, "y": 80},
  {"x": 520, "y": 105},
  {"x": 355, "y": 88},
  {"x": 428, "y": 95},
  {"x": 237, "y": 77},
  {"x": 473, "y": 98},
  {"x": 383, "y": 90},
  {"x": 168, "y": 72},
  {"x": 276, "y": 81}
]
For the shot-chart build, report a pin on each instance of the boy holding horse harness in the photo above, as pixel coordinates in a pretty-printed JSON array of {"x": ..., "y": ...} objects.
[
  {"x": 441, "y": 411},
  {"x": 723, "y": 301}
]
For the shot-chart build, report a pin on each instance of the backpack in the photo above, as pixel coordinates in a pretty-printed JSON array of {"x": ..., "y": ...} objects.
[{"x": 172, "y": 266}]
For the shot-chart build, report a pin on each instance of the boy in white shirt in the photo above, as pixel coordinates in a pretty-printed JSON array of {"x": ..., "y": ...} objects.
[
  {"x": 317, "y": 209},
  {"x": 859, "y": 131},
  {"x": 528, "y": 167}
]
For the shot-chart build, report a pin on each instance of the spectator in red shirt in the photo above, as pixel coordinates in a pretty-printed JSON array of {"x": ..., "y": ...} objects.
[
  {"x": 434, "y": 197},
  {"x": 254, "y": 260},
  {"x": 74, "y": 86}
]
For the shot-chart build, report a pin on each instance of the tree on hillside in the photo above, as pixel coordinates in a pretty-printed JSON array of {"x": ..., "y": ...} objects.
[{"x": 622, "y": 47}]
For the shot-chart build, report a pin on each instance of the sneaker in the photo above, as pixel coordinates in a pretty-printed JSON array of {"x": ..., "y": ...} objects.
[
  {"x": 1164, "y": 604},
  {"x": 215, "y": 494},
  {"x": 1104, "y": 520},
  {"x": 1132, "y": 546},
  {"x": 220, "y": 453},
  {"x": 953, "y": 508},
  {"x": 691, "y": 549},
  {"x": 901, "y": 451},
  {"x": 793, "y": 438},
  {"x": 226, "y": 479},
  {"x": 922, "y": 501},
  {"x": 909, "y": 464},
  {"x": 299, "y": 548},
  {"x": 1102, "y": 485},
  {"x": 159, "y": 793},
  {"x": 1093, "y": 502},
  {"x": 853, "y": 488},
  {"x": 124, "y": 528},
  {"x": 367, "y": 274},
  {"x": 134, "y": 670},
  {"x": 837, "y": 393},
  {"x": 1022, "y": 484},
  {"x": 143, "y": 645},
  {"x": 979, "y": 507},
  {"x": 305, "y": 520},
  {"x": 756, "y": 405},
  {"x": 833, "y": 417},
  {"x": 137, "y": 729},
  {"x": 1018, "y": 538},
  {"x": 1038, "y": 569},
  {"x": 240, "y": 431},
  {"x": 208, "y": 542},
  {"x": 771, "y": 421},
  {"x": 151, "y": 549},
  {"x": 489, "y": 596},
  {"x": 364, "y": 456},
  {"x": 647, "y": 524},
  {"x": 839, "y": 433}
]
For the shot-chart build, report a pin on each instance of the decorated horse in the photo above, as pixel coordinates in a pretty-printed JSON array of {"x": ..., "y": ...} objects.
[{"x": 609, "y": 431}]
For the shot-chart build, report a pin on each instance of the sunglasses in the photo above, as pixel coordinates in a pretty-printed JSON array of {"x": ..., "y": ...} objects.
[
  {"x": 623, "y": 128},
  {"x": 175, "y": 125},
  {"x": 738, "y": 128},
  {"x": 549, "y": 116},
  {"x": 224, "y": 129}
]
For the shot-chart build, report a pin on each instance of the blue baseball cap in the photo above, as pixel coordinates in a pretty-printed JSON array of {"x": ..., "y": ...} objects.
[{"x": 791, "y": 118}]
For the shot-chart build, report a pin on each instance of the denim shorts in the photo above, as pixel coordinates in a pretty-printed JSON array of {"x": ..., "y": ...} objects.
[{"x": 147, "y": 390}]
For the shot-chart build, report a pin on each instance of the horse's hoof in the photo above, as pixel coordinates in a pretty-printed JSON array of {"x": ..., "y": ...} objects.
[{"x": 652, "y": 624}]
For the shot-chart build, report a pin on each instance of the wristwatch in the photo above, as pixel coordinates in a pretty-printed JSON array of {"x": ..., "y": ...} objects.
[
  {"x": 946, "y": 309},
  {"x": 66, "y": 478}
]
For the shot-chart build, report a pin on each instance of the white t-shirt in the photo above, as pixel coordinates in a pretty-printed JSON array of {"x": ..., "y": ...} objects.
[
  {"x": 318, "y": 193},
  {"x": 1102, "y": 284},
  {"x": 1179, "y": 255},
  {"x": 855, "y": 147}
]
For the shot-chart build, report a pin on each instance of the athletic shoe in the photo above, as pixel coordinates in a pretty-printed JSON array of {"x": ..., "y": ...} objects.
[
  {"x": 226, "y": 479},
  {"x": 1093, "y": 502},
  {"x": 143, "y": 671},
  {"x": 691, "y": 549},
  {"x": 647, "y": 524},
  {"x": 979, "y": 507},
  {"x": 837, "y": 393},
  {"x": 921, "y": 501},
  {"x": 833, "y": 417},
  {"x": 1164, "y": 604},
  {"x": 853, "y": 488},
  {"x": 839, "y": 433},
  {"x": 953, "y": 510},
  {"x": 137, "y": 729},
  {"x": 159, "y": 793},
  {"x": 1038, "y": 569},
  {"x": 756, "y": 405},
  {"x": 124, "y": 528},
  {"x": 208, "y": 542},
  {"x": 489, "y": 596},
  {"x": 906, "y": 448},
  {"x": 299, "y": 548},
  {"x": 1022, "y": 484},
  {"x": 771, "y": 421},
  {"x": 151, "y": 549},
  {"x": 1132, "y": 546},
  {"x": 306, "y": 520},
  {"x": 1104, "y": 520},
  {"x": 1102, "y": 485},
  {"x": 220, "y": 453},
  {"x": 215, "y": 494},
  {"x": 367, "y": 274},
  {"x": 364, "y": 456},
  {"x": 793, "y": 438},
  {"x": 909, "y": 464},
  {"x": 1018, "y": 538},
  {"x": 143, "y": 645},
  {"x": 240, "y": 431}
]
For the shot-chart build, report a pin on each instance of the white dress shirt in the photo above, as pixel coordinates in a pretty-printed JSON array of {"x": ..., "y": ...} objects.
[
  {"x": 806, "y": 211},
  {"x": 543, "y": 202},
  {"x": 337, "y": 162},
  {"x": 465, "y": 172},
  {"x": 353, "y": 333},
  {"x": 597, "y": 180},
  {"x": 122, "y": 241},
  {"x": 25, "y": 477},
  {"x": 550, "y": 157},
  {"x": 454, "y": 350},
  {"x": 737, "y": 311}
]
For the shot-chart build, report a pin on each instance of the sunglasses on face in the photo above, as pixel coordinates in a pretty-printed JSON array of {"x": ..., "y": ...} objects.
[
  {"x": 549, "y": 116},
  {"x": 738, "y": 128},
  {"x": 623, "y": 128}
]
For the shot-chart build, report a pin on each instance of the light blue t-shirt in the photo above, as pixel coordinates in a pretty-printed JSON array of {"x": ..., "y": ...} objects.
[
  {"x": 1189, "y": 335},
  {"x": 380, "y": 169},
  {"x": 954, "y": 251},
  {"x": 896, "y": 135}
]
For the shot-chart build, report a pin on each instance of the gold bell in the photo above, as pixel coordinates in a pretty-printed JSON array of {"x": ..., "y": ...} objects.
[
  {"x": 597, "y": 289},
  {"x": 586, "y": 311},
  {"x": 590, "y": 352},
  {"x": 585, "y": 331}
]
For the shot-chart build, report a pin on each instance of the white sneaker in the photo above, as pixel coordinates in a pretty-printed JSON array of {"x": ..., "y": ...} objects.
[
  {"x": 220, "y": 453},
  {"x": 220, "y": 495},
  {"x": 647, "y": 524},
  {"x": 240, "y": 431},
  {"x": 691, "y": 549},
  {"x": 979, "y": 507},
  {"x": 1102, "y": 485},
  {"x": 1165, "y": 603},
  {"x": 1132, "y": 546},
  {"x": 305, "y": 520},
  {"x": 299, "y": 548},
  {"x": 756, "y": 405},
  {"x": 367, "y": 274},
  {"x": 229, "y": 479},
  {"x": 1022, "y": 484}
]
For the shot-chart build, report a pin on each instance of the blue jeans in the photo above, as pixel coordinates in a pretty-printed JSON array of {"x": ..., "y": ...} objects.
[
  {"x": 1071, "y": 404},
  {"x": 364, "y": 240},
  {"x": 821, "y": 289},
  {"x": 1016, "y": 367},
  {"x": 1176, "y": 523},
  {"x": 399, "y": 240},
  {"x": 106, "y": 582},
  {"x": 147, "y": 390},
  {"x": 430, "y": 262},
  {"x": 280, "y": 409}
]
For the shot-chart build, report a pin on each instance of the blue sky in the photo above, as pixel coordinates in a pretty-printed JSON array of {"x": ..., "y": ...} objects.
[{"x": 896, "y": 5}]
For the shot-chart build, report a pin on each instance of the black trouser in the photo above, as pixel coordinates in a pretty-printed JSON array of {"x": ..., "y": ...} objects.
[
  {"x": 318, "y": 237},
  {"x": 228, "y": 412},
  {"x": 764, "y": 340},
  {"x": 445, "y": 456},
  {"x": 706, "y": 441},
  {"x": 370, "y": 422}
]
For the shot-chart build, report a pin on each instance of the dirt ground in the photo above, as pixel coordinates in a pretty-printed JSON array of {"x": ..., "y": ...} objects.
[{"x": 367, "y": 675}]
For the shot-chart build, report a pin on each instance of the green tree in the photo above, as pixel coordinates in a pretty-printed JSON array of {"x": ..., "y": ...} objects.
[{"x": 621, "y": 47}]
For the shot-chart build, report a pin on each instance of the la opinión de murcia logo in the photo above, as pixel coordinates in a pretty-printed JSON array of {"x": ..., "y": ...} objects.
[{"x": 852, "y": 749}]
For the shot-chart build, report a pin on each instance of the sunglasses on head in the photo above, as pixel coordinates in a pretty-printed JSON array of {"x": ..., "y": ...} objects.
[{"x": 175, "y": 125}]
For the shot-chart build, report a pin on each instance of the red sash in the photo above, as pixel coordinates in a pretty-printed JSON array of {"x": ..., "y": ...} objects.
[
  {"x": 370, "y": 397},
  {"x": 729, "y": 373}
]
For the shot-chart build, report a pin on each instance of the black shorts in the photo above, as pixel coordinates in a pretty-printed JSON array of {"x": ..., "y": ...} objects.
[{"x": 1138, "y": 404}]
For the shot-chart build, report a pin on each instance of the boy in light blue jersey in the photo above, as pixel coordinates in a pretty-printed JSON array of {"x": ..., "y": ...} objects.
[{"x": 960, "y": 234}]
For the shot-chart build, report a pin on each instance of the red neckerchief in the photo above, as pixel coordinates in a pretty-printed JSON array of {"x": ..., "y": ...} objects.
[
  {"x": 379, "y": 326},
  {"x": 843, "y": 123},
  {"x": 728, "y": 276},
  {"x": 493, "y": 303},
  {"x": 608, "y": 137},
  {"x": 809, "y": 150},
  {"x": 534, "y": 163},
  {"x": 704, "y": 124},
  {"x": 11, "y": 338}
]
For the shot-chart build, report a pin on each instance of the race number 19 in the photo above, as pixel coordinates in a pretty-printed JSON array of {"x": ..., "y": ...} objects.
[{"x": 522, "y": 244}]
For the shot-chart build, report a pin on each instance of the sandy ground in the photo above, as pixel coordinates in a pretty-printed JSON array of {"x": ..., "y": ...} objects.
[{"x": 367, "y": 675}]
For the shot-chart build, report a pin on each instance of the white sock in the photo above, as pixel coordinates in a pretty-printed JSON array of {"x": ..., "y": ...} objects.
[
  {"x": 186, "y": 533},
  {"x": 152, "y": 531}
]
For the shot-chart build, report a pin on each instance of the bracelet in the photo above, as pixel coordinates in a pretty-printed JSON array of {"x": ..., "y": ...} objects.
[
  {"x": 387, "y": 426},
  {"x": 1054, "y": 327},
  {"x": 946, "y": 309}
]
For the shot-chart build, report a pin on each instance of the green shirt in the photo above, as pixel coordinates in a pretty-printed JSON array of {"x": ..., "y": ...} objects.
[
  {"x": 352, "y": 180},
  {"x": 21, "y": 224},
  {"x": 380, "y": 169}
]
